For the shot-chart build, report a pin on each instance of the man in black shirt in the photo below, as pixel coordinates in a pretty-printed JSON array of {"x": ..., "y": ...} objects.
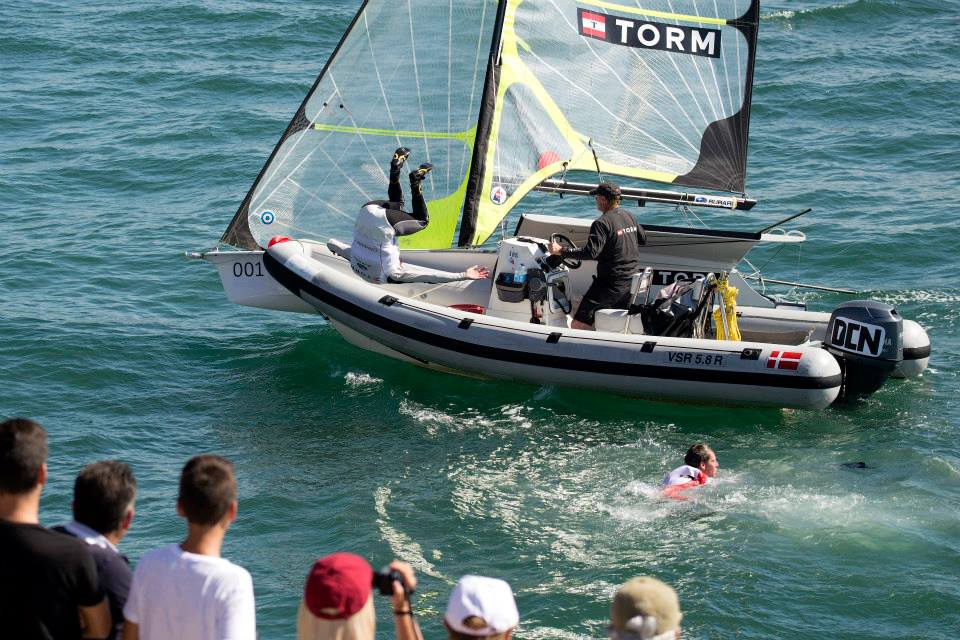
[
  {"x": 103, "y": 496},
  {"x": 48, "y": 581},
  {"x": 614, "y": 242}
]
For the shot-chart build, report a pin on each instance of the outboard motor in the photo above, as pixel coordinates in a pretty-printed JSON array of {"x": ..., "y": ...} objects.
[{"x": 866, "y": 338}]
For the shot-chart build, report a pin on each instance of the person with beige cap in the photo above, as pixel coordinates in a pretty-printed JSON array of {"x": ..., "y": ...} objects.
[
  {"x": 645, "y": 609},
  {"x": 481, "y": 608}
]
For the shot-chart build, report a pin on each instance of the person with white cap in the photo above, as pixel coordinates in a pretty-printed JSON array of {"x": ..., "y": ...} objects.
[
  {"x": 645, "y": 609},
  {"x": 481, "y": 608},
  {"x": 337, "y": 599}
]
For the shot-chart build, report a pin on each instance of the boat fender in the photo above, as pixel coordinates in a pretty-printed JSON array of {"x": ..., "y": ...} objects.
[{"x": 866, "y": 338}]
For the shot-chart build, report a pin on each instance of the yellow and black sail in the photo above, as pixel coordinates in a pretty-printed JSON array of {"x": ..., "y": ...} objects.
[
  {"x": 500, "y": 96},
  {"x": 656, "y": 90}
]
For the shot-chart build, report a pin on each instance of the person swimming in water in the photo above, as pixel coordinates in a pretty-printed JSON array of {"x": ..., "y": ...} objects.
[{"x": 699, "y": 465}]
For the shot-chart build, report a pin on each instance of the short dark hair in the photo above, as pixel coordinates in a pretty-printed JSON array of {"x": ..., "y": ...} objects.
[
  {"x": 101, "y": 494},
  {"x": 696, "y": 455},
  {"x": 23, "y": 451},
  {"x": 207, "y": 489}
]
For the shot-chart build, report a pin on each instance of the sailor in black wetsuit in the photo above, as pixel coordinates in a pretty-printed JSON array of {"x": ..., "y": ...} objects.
[
  {"x": 614, "y": 242},
  {"x": 375, "y": 255}
]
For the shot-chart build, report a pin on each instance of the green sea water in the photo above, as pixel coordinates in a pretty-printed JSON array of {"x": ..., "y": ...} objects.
[{"x": 130, "y": 133}]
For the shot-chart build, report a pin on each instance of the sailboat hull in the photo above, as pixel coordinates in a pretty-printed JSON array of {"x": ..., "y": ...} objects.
[
  {"x": 680, "y": 369},
  {"x": 247, "y": 281}
]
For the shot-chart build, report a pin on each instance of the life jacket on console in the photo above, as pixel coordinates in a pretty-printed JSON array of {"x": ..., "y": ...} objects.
[
  {"x": 681, "y": 479},
  {"x": 374, "y": 255}
]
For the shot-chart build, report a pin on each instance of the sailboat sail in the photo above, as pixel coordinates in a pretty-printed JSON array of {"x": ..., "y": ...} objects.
[
  {"x": 406, "y": 73},
  {"x": 656, "y": 90},
  {"x": 500, "y": 96}
]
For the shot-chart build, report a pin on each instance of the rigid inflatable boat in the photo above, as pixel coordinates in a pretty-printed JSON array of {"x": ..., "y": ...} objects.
[{"x": 520, "y": 98}]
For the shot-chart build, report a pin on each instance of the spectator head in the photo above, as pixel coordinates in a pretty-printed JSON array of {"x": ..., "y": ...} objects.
[
  {"x": 645, "y": 609},
  {"x": 702, "y": 457},
  {"x": 103, "y": 495},
  {"x": 23, "y": 456},
  {"x": 208, "y": 491},
  {"x": 481, "y": 607},
  {"x": 337, "y": 602}
]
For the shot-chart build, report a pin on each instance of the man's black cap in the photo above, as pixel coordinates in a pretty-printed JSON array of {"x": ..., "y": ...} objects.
[{"x": 609, "y": 190}]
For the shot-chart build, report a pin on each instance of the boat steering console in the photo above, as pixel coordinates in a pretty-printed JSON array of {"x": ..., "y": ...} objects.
[
  {"x": 530, "y": 284},
  {"x": 567, "y": 243}
]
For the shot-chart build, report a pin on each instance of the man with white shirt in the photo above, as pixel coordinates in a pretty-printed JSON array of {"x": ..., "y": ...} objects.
[
  {"x": 375, "y": 253},
  {"x": 187, "y": 590},
  {"x": 103, "y": 496}
]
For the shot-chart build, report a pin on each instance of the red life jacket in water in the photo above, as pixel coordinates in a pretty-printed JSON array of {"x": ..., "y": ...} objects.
[{"x": 682, "y": 479}]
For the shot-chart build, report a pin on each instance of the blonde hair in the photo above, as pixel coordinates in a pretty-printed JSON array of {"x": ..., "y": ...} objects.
[{"x": 359, "y": 626}]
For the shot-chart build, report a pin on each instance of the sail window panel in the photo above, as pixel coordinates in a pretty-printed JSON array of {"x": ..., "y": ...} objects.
[
  {"x": 645, "y": 111},
  {"x": 287, "y": 202},
  {"x": 383, "y": 78}
]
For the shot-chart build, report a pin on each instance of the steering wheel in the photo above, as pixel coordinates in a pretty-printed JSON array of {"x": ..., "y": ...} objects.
[{"x": 564, "y": 241}]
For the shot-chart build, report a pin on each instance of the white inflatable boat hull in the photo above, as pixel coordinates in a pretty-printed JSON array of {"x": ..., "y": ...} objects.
[{"x": 682, "y": 369}]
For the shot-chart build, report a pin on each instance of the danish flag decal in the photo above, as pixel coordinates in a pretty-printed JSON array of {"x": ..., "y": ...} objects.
[
  {"x": 784, "y": 360},
  {"x": 593, "y": 24}
]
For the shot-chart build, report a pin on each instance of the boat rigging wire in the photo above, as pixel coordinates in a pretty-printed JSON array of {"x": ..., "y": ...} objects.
[
  {"x": 596, "y": 160},
  {"x": 802, "y": 285},
  {"x": 794, "y": 216}
]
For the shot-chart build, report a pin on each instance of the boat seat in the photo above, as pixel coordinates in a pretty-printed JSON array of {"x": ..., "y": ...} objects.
[
  {"x": 338, "y": 248},
  {"x": 615, "y": 321},
  {"x": 620, "y": 320}
]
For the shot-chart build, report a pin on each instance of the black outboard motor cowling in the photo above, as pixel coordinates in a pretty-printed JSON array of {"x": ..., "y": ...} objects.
[{"x": 866, "y": 338}]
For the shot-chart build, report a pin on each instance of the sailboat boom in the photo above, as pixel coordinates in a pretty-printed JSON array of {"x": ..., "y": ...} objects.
[{"x": 653, "y": 195}]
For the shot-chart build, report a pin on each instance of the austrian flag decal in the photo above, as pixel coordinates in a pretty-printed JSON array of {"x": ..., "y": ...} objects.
[
  {"x": 784, "y": 360},
  {"x": 634, "y": 31},
  {"x": 593, "y": 25}
]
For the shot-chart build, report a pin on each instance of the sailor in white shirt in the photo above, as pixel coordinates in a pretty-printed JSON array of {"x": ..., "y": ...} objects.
[{"x": 375, "y": 254}]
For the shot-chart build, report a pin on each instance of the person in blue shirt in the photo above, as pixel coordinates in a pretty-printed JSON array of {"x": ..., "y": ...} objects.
[{"x": 103, "y": 497}]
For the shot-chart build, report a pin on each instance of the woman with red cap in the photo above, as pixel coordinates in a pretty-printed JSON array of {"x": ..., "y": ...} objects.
[{"x": 337, "y": 602}]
